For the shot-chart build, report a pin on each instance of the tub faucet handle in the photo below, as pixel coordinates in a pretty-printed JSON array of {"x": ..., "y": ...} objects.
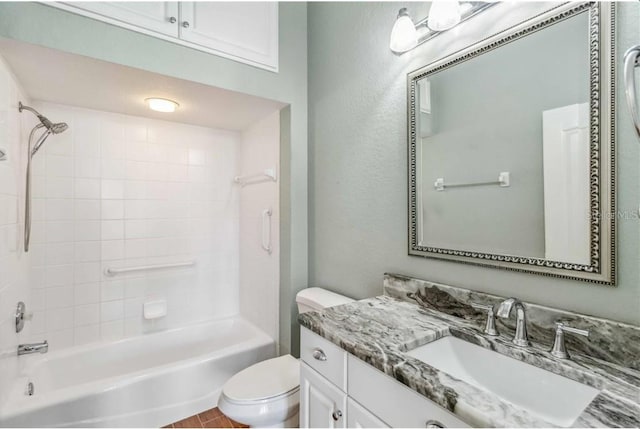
[{"x": 490, "y": 327}]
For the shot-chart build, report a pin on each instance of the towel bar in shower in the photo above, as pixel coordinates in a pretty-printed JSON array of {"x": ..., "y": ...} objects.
[
  {"x": 114, "y": 271},
  {"x": 266, "y": 175}
]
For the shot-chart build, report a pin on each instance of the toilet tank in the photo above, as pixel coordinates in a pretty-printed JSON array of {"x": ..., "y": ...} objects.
[{"x": 315, "y": 298}]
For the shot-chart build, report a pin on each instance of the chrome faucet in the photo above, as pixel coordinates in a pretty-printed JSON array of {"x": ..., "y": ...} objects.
[
  {"x": 521, "y": 339},
  {"x": 27, "y": 349}
]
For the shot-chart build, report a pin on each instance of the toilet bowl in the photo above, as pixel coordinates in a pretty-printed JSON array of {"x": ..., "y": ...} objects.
[{"x": 267, "y": 394}]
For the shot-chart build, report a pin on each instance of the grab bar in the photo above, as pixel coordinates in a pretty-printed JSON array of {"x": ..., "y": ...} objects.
[
  {"x": 114, "y": 271},
  {"x": 266, "y": 241},
  {"x": 631, "y": 61}
]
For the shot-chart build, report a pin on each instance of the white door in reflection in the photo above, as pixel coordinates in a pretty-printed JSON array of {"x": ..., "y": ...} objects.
[{"x": 566, "y": 183}]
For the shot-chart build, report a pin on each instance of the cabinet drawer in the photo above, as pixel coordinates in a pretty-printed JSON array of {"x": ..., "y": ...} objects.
[
  {"x": 324, "y": 356},
  {"x": 359, "y": 417},
  {"x": 398, "y": 406}
]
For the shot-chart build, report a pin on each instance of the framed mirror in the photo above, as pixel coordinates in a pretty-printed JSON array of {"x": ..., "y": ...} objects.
[{"x": 511, "y": 148}]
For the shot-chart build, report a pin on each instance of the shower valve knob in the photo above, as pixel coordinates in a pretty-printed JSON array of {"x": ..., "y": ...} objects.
[{"x": 173, "y": 20}]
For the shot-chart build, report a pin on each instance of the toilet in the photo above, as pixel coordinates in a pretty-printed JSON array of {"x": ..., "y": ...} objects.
[{"x": 267, "y": 394}]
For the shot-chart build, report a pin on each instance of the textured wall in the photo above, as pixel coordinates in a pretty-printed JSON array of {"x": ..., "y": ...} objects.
[{"x": 358, "y": 179}]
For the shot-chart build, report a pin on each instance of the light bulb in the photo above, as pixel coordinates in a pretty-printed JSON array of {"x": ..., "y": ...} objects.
[
  {"x": 404, "y": 36},
  {"x": 443, "y": 15},
  {"x": 162, "y": 105}
]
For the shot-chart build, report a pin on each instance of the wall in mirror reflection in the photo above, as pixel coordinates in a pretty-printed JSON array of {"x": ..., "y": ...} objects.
[{"x": 521, "y": 109}]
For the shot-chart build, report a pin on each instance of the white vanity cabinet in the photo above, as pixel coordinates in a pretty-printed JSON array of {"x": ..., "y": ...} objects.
[
  {"x": 322, "y": 404},
  {"x": 359, "y": 417},
  {"x": 243, "y": 31},
  {"x": 339, "y": 390}
]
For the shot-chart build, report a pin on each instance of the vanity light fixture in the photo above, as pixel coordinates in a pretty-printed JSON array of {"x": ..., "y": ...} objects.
[
  {"x": 404, "y": 36},
  {"x": 443, "y": 15},
  {"x": 162, "y": 105}
]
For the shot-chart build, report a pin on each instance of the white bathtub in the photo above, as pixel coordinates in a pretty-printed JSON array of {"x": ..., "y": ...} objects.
[{"x": 151, "y": 380}]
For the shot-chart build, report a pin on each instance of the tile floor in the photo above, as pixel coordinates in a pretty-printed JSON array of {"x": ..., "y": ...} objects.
[{"x": 212, "y": 418}]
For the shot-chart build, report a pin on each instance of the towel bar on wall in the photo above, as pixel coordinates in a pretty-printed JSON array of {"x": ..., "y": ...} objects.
[
  {"x": 631, "y": 61},
  {"x": 503, "y": 181}
]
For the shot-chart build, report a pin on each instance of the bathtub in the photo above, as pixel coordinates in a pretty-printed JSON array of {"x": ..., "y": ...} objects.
[{"x": 150, "y": 380}]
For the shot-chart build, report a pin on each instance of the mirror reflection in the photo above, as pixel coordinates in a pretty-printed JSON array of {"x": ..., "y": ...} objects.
[{"x": 503, "y": 149}]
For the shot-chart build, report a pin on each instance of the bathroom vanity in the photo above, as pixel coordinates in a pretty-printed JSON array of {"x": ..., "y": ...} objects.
[
  {"x": 417, "y": 356},
  {"x": 339, "y": 390}
]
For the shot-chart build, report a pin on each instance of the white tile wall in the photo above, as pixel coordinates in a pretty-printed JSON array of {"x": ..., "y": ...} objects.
[
  {"x": 259, "y": 276},
  {"x": 14, "y": 264},
  {"x": 119, "y": 191}
]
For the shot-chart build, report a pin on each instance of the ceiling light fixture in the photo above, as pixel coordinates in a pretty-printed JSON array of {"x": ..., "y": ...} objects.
[
  {"x": 444, "y": 15},
  {"x": 162, "y": 105}
]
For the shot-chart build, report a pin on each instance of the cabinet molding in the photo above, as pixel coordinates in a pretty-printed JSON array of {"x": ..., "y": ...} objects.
[
  {"x": 321, "y": 402},
  {"x": 257, "y": 58}
]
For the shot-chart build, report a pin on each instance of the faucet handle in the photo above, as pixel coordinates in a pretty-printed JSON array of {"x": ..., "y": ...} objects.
[
  {"x": 490, "y": 327},
  {"x": 559, "y": 348}
]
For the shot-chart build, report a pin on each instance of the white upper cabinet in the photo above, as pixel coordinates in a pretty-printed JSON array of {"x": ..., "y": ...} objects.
[
  {"x": 247, "y": 30},
  {"x": 242, "y": 31},
  {"x": 157, "y": 16}
]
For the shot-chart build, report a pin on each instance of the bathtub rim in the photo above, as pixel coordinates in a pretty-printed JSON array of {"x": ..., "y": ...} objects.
[{"x": 19, "y": 403}]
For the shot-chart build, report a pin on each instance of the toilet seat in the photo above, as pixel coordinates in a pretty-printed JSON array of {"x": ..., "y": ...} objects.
[
  {"x": 265, "y": 394},
  {"x": 264, "y": 381}
]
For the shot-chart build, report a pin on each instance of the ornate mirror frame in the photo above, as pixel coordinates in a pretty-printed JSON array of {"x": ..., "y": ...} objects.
[{"x": 601, "y": 268}]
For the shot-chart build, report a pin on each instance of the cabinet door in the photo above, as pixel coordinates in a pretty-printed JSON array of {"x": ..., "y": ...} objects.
[
  {"x": 359, "y": 417},
  {"x": 247, "y": 31},
  {"x": 151, "y": 15},
  {"x": 322, "y": 404}
]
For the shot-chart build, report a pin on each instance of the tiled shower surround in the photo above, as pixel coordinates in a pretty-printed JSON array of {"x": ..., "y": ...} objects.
[
  {"x": 14, "y": 271},
  {"x": 121, "y": 191}
]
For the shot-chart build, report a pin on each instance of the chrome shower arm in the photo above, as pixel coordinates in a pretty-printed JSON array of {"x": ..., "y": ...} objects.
[{"x": 22, "y": 107}]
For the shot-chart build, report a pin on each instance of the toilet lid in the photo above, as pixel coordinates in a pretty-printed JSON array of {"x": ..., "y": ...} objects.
[{"x": 264, "y": 380}]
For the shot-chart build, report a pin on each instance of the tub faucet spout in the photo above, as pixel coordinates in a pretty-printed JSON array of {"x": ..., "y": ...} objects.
[{"x": 27, "y": 349}]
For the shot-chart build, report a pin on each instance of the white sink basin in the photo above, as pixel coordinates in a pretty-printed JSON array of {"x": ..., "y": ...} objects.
[{"x": 555, "y": 399}]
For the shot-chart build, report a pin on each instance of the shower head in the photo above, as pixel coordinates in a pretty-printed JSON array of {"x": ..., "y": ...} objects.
[{"x": 57, "y": 128}]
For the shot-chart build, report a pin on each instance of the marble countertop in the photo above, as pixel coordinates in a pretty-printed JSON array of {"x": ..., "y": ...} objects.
[{"x": 381, "y": 331}]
